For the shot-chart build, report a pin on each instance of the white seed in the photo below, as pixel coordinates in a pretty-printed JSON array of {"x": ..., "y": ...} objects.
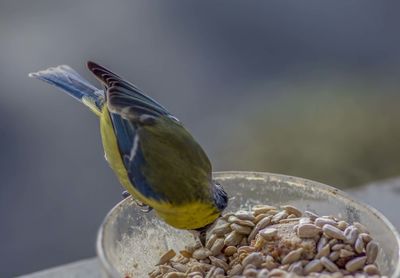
[
  {"x": 372, "y": 251},
  {"x": 233, "y": 238},
  {"x": 235, "y": 270},
  {"x": 259, "y": 209},
  {"x": 292, "y": 210},
  {"x": 329, "y": 265},
  {"x": 352, "y": 235},
  {"x": 166, "y": 257},
  {"x": 296, "y": 268},
  {"x": 279, "y": 216},
  {"x": 305, "y": 220},
  {"x": 201, "y": 253},
  {"x": 311, "y": 215},
  {"x": 356, "y": 263},
  {"x": 321, "y": 221},
  {"x": 359, "y": 245},
  {"x": 210, "y": 241},
  {"x": 313, "y": 266},
  {"x": 342, "y": 225},
  {"x": 269, "y": 233},
  {"x": 217, "y": 246},
  {"x": 263, "y": 273},
  {"x": 308, "y": 230},
  {"x": 221, "y": 229},
  {"x": 255, "y": 258},
  {"x": 371, "y": 269},
  {"x": 360, "y": 227},
  {"x": 321, "y": 243},
  {"x": 244, "y": 230},
  {"x": 245, "y": 215},
  {"x": 292, "y": 256},
  {"x": 334, "y": 256},
  {"x": 277, "y": 273},
  {"x": 345, "y": 253},
  {"x": 260, "y": 225},
  {"x": 219, "y": 263},
  {"x": 324, "y": 252},
  {"x": 333, "y": 232},
  {"x": 366, "y": 237}
]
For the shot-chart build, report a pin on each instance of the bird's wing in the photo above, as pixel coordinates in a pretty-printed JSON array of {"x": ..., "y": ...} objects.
[{"x": 162, "y": 159}]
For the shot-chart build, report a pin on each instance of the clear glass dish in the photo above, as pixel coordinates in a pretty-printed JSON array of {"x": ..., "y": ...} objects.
[{"x": 130, "y": 242}]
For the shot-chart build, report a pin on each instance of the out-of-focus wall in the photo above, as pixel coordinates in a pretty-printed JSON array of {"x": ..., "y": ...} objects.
[{"x": 305, "y": 88}]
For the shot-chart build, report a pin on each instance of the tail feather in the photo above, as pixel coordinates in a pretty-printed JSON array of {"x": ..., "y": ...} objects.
[{"x": 68, "y": 80}]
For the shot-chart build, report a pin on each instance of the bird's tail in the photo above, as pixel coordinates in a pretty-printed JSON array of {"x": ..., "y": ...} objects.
[{"x": 68, "y": 80}]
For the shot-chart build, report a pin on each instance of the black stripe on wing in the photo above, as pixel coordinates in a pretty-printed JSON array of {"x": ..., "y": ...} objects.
[{"x": 124, "y": 96}]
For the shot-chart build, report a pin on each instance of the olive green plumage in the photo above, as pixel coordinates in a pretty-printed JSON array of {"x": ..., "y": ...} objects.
[{"x": 154, "y": 157}]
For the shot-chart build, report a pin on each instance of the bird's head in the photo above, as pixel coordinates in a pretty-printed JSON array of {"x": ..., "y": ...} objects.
[{"x": 220, "y": 196}]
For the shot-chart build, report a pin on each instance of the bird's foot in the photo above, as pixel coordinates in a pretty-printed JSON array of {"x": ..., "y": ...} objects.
[{"x": 143, "y": 207}]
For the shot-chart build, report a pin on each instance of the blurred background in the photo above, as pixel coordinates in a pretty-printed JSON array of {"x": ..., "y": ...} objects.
[{"x": 304, "y": 88}]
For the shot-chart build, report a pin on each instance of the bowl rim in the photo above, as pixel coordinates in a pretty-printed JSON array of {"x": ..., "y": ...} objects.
[{"x": 112, "y": 272}]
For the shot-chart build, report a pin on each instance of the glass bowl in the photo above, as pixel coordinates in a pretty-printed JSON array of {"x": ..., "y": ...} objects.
[{"x": 130, "y": 242}]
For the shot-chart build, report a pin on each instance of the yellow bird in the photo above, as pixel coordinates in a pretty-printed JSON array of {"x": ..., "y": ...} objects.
[{"x": 154, "y": 157}]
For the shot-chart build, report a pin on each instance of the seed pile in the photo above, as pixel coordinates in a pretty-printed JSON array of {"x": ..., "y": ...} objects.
[{"x": 268, "y": 242}]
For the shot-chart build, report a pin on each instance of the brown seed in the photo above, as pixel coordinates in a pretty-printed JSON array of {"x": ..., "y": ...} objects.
[
  {"x": 356, "y": 263},
  {"x": 235, "y": 270},
  {"x": 342, "y": 225},
  {"x": 230, "y": 250},
  {"x": 360, "y": 227},
  {"x": 334, "y": 256},
  {"x": 365, "y": 237},
  {"x": 166, "y": 257},
  {"x": 185, "y": 253}
]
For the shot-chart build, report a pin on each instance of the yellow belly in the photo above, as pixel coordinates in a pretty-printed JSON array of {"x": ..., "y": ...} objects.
[{"x": 188, "y": 216}]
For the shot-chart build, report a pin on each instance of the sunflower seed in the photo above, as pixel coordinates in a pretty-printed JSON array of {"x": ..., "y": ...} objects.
[
  {"x": 245, "y": 215},
  {"x": 372, "y": 251},
  {"x": 221, "y": 229},
  {"x": 359, "y": 245},
  {"x": 233, "y": 238},
  {"x": 292, "y": 256},
  {"x": 323, "y": 252},
  {"x": 308, "y": 230},
  {"x": 356, "y": 263},
  {"x": 230, "y": 250},
  {"x": 201, "y": 253},
  {"x": 313, "y": 266},
  {"x": 292, "y": 210},
  {"x": 329, "y": 265},
  {"x": 259, "y": 209},
  {"x": 321, "y": 221},
  {"x": 217, "y": 246},
  {"x": 269, "y": 233},
  {"x": 371, "y": 269},
  {"x": 166, "y": 257},
  {"x": 255, "y": 258},
  {"x": 333, "y": 232},
  {"x": 279, "y": 216}
]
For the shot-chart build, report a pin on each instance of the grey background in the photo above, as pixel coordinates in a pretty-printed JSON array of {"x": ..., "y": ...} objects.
[{"x": 307, "y": 88}]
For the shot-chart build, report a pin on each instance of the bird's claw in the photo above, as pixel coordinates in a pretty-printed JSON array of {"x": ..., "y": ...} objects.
[{"x": 143, "y": 207}]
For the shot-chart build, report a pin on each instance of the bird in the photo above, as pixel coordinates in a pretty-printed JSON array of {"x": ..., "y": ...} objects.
[{"x": 153, "y": 155}]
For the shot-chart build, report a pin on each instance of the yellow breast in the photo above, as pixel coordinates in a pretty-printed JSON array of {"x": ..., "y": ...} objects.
[{"x": 188, "y": 216}]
